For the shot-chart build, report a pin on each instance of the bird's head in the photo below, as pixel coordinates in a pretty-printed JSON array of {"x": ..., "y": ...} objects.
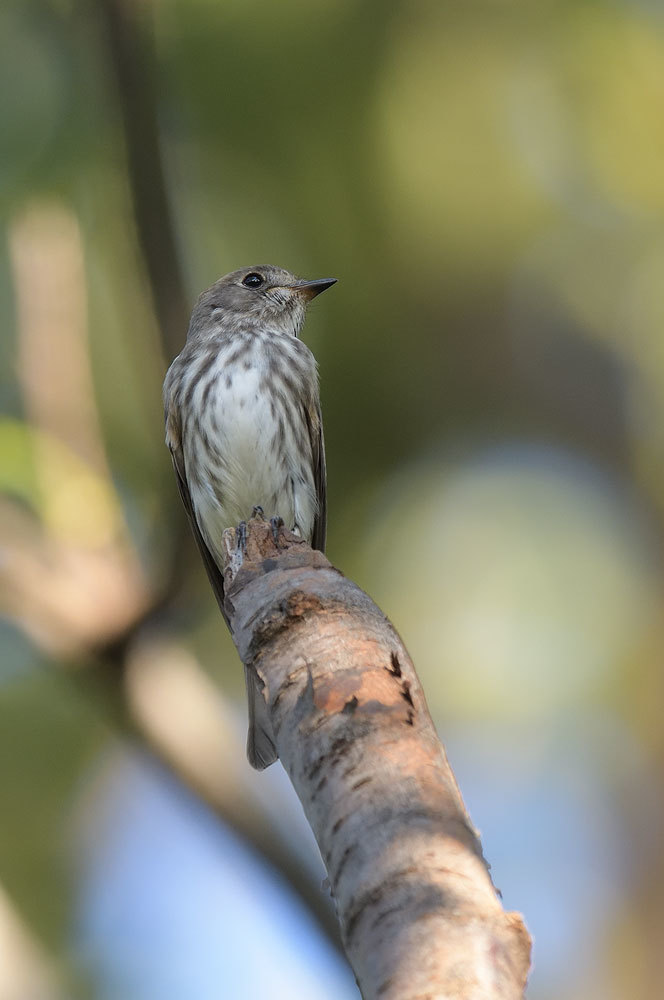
[{"x": 264, "y": 296}]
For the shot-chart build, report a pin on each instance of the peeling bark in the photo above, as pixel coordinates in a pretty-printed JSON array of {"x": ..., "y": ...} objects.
[{"x": 419, "y": 915}]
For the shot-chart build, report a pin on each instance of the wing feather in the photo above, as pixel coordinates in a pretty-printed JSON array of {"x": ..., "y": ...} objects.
[
  {"x": 214, "y": 573},
  {"x": 315, "y": 427}
]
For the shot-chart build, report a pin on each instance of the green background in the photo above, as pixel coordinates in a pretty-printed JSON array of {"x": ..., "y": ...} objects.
[{"x": 485, "y": 179}]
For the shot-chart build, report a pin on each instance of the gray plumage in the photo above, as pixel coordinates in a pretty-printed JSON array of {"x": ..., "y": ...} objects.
[{"x": 244, "y": 428}]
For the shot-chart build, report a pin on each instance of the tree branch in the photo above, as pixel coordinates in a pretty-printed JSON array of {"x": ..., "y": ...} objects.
[
  {"x": 419, "y": 915},
  {"x": 129, "y": 38}
]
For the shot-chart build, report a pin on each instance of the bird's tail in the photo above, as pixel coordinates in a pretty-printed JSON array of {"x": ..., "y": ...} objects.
[{"x": 261, "y": 750}]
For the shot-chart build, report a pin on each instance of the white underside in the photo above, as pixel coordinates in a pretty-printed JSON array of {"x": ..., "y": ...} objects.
[{"x": 250, "y": 470}]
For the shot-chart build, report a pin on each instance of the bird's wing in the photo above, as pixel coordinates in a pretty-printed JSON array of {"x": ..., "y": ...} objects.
[
  {"x": 315, "y": 425},
  {"x": 261, "y": 751},
  {"x": 214, "y": 573}
]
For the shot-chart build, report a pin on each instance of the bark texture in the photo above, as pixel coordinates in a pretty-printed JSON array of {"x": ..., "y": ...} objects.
[{"x": 419, "y": 915}]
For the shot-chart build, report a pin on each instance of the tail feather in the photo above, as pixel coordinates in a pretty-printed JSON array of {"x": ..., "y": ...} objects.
[{"x": 261, "y": 750}]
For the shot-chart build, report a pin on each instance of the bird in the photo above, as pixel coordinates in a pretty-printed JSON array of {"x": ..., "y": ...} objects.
[{"x": 244, "y": 428}]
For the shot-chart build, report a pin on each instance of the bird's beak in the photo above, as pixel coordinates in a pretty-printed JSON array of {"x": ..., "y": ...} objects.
[{"x": 310, "y": 289}]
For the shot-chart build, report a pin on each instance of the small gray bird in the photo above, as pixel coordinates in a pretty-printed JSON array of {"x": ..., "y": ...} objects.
[{"x": 244, "y": 428}]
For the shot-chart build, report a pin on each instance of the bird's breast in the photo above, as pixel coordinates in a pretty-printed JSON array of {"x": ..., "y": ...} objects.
[{"x": 247, "y": 442}]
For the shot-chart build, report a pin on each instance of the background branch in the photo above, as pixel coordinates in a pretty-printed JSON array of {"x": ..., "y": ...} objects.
[{"x": 132, "y": 64}]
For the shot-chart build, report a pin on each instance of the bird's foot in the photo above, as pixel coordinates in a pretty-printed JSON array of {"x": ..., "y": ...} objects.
[
  {"x": 241, "y": 537},
  {"x": 258, "y": 512},
  {"x": 275, "y": 524}
]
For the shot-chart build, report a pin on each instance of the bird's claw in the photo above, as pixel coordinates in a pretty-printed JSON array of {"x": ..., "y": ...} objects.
[{"x": 275, "y": 524}]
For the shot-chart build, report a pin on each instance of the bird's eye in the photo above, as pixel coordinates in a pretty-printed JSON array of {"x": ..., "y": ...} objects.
[{"x": 252, "y": 280}]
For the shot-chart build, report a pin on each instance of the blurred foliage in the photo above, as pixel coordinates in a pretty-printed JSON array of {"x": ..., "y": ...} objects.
[{"x": 485, "y": 179}]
